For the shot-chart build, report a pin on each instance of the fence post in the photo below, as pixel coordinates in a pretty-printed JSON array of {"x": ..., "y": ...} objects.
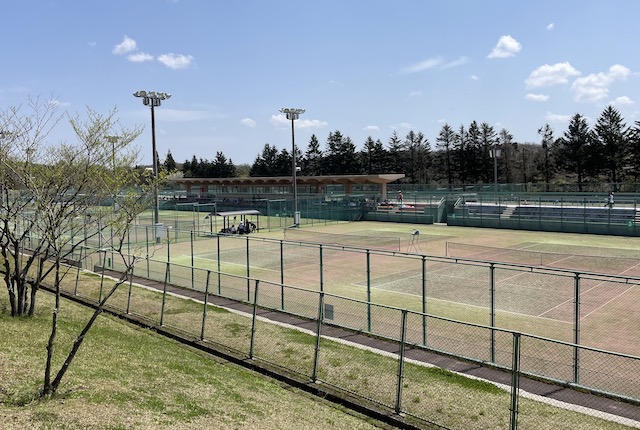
[
  {"x": 248, "y": 273},
  {"x": 168, "y": 251},
  {"x": 146, "y": 232},
  {"x": 206, "y": 301},
  {"x": 104, "y": 263},
  {"x": 193, "y": 273},
  {"x": 75, "y": 288},
  {"x": 164, "y": 292},
  {"x": 515, "y": 382},
  {"x": 424, "y": 300},
  {"x": 253, "y": 319},
  {"x": 219, "y": 267},
  {"x": 321, "y": 271},
  {"x": 368, "y": 291},
  {"x": 281, "y": 275},
  {"x": 316, "y": 357},
  {"x": 403, "y": 337},
  {"x": 492, "y": 310},
  {"x": 576, "y": 330}
]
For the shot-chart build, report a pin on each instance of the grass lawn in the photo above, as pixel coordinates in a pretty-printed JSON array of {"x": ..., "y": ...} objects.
[{"x": 128, "y": 378}]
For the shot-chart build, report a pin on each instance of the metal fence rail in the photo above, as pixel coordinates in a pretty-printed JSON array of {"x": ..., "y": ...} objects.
[{"x": 393, "y": 380}]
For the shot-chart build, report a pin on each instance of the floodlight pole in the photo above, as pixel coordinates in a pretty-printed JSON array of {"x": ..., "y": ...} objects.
[
  {"x": 153, "y": 99},
  {"x": 293, "y": 114},
  {"x": 495, "y": 153}
]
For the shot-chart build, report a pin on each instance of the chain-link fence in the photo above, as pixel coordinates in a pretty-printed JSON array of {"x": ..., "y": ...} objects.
[{"x": 393, "y": 370}]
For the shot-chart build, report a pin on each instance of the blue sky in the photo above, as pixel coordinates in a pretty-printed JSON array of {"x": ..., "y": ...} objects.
[{"x": 364, "y": 67}]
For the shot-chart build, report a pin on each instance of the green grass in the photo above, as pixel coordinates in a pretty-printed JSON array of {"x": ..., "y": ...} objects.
[
  {"x": 125, "y": 377},
  {"x": 128, "y": 378}
]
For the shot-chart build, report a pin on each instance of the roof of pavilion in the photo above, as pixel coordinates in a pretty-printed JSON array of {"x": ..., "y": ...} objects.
[{"x": 286, "y": 180}]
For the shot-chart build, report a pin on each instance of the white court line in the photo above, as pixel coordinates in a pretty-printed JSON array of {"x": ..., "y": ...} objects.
[
  {"x": 463, "y": 304},
  {"x": 609, "y": 301}
]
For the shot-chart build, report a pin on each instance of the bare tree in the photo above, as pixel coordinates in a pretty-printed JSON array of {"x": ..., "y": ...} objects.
[{"x": 56, "y": 198}]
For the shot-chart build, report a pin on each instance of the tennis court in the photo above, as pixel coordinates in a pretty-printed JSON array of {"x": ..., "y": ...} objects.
[{"x": 350, "y": 263}]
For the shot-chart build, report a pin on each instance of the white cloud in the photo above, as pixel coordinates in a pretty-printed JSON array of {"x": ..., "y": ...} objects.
[
  {"x": 402, "y": 125},
  {"x": 371, "y": 128},
  {"x": 537, "y": 97},
  {"x": 127, "y": 45},
  {"x": 415, "y": 93},
  {"x": 176, "y": 61},
  {"x": 474, "y": 78},
  {"x": 140, "y": 57},
  {"x": 432, "y": 63},
  {"x": 281, "y": 120},
  {"x": 557, "y": 118},
  {"x": 546, "y": 75},
  {"x": 550, "y": 26},
  {"x": 595, "y": 87},
  {"x": 422, "y": 66},
  {"x": 622, "y": 101},
  {"x": 455, "y": 63},
  {"x": 311, "y": 123},
  {"x": 507, "y": 47},
  {"x": 248, "y": 122}
]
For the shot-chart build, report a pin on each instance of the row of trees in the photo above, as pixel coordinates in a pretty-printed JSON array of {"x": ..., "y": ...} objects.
[{"x": 607, "y": 152}]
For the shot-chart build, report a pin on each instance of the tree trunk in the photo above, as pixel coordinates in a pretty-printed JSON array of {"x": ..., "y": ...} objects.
[
  {"x": 51, "y": 388},
  {"x": 34, "y": 287},
  {"x": 48, "y": 389}
]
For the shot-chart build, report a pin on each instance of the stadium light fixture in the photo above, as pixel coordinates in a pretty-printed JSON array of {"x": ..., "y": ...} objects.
[
  {"x": 293, "y": 114},
  {"x": 154, "y": 99}
]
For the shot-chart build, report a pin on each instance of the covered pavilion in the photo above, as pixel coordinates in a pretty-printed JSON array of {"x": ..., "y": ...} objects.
[{"x": 314, "y": 184}]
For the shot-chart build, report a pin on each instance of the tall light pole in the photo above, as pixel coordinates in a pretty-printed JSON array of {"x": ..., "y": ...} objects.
[
  {"x": 293, "y": 114},
  {"x": 495, "y": 154},
  {"x": 153, "y": 99}
]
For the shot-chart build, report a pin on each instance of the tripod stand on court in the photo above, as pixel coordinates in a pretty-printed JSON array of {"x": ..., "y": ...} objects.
[{"x": 414, "y": 244}]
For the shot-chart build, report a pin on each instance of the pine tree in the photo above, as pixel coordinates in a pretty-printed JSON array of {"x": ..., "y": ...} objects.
[{"x": 611, "y": 144}]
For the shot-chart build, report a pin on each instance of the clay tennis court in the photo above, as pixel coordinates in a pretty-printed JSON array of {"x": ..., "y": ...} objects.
[{"x": 539, "y": 301}]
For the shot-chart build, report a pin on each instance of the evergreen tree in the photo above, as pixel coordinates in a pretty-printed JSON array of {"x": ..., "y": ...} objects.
[
  {"x": 380, "y": 157},
  {"x": 367, "y": 154},
  {"x": 284, "y": 163},
  {"x": 190, "y": 168},
  {"x": 488, "y": 141},
  {"x": 547, "y": 139},
  {"x": 265, "y": 162},
  {"x": 445, "y": 142},
  {"x": 611, "y": 144},
  {"x": 574, "y": 149},
  {"x": 474, "y": 153},
  {"x": 341, "y": 158},
  {"x": 509, "y": 150},
  {"x": 395, "y": 163},
  {"x": 223, "y": 168},
  {"x": 312, "y": 161},
  {"x": 634, "y": 151},
  {"x": 461, "y": 154},
  {"x": 417, "y": 157},
  {"x": 169, "y": 163}
]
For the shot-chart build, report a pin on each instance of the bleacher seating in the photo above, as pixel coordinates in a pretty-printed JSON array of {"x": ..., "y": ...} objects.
[
  {"x": 575, "y": 214},
  {"x": 486, "y": 210}
]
